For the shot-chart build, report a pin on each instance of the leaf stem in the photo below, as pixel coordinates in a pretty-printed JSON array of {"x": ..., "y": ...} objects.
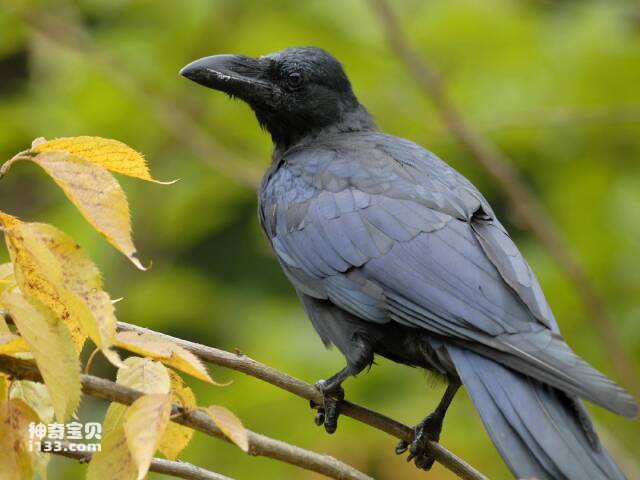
[{"x": 24, "y": 155}]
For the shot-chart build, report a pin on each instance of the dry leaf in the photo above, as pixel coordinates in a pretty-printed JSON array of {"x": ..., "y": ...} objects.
[
  {"x": 154, "y": 346},
  {"x": 80, "y": 276},
  {"x": 5, "y": 384},
  {"x": 37, "y": 141},
  {"x": 97, "y": 194},
  {"x": 145, "y": 375},
  {"x": 176, "y": 437},
  {"x": 53, "y": 349},
  {"x": 8, "y": 221},
  {"x": 110, "y": 154},
  {"x": 52, "y": 267},
  {"x": 35, "y": 395},
  {"x": 4, "y": 328},
  {"x": 16, "y": 463},
  {"x": 7, "y": 279},
  {"x": 113, "y": 461},
  {"x": 230, "y": 425},
  {"x": 40, "y": 276},
  {"x": 144, "y": 423},
  {"x": 140, "y": 374}
]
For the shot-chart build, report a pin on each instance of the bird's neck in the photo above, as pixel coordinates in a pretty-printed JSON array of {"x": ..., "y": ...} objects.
[{"x": 356, "y": 120}]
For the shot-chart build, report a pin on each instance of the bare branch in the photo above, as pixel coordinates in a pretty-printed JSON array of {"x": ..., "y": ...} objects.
[
  {"x": 158, "y": 465},
  {"x": 249, "y": 366},
  {"x": 526, "y": 206},
  {"x": 258, "y": 444}
]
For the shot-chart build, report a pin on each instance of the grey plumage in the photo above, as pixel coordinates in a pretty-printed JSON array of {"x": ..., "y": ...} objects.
[
  {"x": 535, "y": 428},
  {"x": 394, "y": 253},
  {"x": 424, "y": 256}
]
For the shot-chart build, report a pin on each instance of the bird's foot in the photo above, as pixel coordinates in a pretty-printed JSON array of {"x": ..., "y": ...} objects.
[
  {"x": 329, "y": 411},
  {"x": 426, "y": 431}
]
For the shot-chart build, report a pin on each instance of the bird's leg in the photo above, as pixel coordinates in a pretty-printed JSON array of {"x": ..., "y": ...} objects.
[
  {"x": 332, "y": 395},
  {"x": 361, "y": 356},
  {"x": 429, "y": 430}
]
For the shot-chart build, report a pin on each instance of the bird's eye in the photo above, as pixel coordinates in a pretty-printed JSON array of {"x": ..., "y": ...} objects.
[{"x": 294, "y": 80}]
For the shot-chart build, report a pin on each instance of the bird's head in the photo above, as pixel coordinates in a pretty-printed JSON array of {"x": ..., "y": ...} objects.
[{"x": 294, "y": 93}]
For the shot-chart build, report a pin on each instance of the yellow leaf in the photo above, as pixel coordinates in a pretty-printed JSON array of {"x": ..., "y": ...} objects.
[
  {"x": 97, "y": 194},
  {"x": 80, "y": 276},
  {"x": 6, "y": 272},
  {"x": 110, "y": 154},
  {"x": 140, "y": 374},
  {"x": 7, "y": 279},
  {"x": 5, "y": 384},
  {"x": 37, "y": 141},
  {"x": 8, "y": 221},
  {"x": 16, "y": 462},
  {"x": 35, "y": 395},
  {"x": 4, "y": 328},
  {"x": 230, "y": 425},
  {"x": 40, "y": 276},
  {"x": 154, "y": 346},
  {"x": 40, "y": 461},
  {"x": 144, "y": 423},
  {"x": 53, "y": 349},
  {"x": 145, "y": 375},
  {"x": 113, "y": 461},
  {"x": 10, "y": 343},
  {"x": 52, "y": 267},
  {"x": 176, "y": 437}
]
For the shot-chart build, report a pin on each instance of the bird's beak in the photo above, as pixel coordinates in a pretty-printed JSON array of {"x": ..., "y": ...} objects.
[{"x": 233, "y": 74}]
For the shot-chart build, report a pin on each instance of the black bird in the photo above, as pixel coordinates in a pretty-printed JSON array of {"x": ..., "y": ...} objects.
[{"x": 394, "y": 253}]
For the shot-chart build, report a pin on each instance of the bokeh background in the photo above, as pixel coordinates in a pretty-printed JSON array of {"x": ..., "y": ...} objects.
[{"x": 556, "y": 84}]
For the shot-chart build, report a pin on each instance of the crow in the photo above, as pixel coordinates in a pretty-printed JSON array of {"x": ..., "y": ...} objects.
[{"x": 394, "y": 253}]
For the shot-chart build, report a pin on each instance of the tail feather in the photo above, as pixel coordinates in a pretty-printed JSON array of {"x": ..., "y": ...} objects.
[
  {"x": 536, "y": 428},
  {"x": 545, "y": 356}
]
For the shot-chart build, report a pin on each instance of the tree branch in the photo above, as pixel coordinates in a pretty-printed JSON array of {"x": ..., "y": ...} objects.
[
  {"x": 258, "y": 444},
  {"x": 249, "y": 366},
  {"x": 524, "y": 202},
  {"x": 158, "y": 465}
]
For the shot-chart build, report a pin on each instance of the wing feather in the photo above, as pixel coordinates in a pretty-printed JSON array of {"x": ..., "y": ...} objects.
[{"x": 388, "y": 232}]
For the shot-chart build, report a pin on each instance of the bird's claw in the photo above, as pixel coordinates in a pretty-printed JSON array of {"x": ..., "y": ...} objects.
[
  {"x": 401, "y": 447},
  {"x": 426, "y": 431},
  {"x": 329, "y": 411}
]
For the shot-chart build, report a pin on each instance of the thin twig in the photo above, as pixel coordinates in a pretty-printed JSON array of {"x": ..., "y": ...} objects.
[
  {"x": 258, "y": 444},
  {"x": 249, "y": 366},
  {"x": 158, "y": 465},
  {"x": 525, "y": 204}
]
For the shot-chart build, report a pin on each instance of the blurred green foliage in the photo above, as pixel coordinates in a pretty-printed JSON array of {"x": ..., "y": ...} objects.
[{"x": 555, "y": 83}]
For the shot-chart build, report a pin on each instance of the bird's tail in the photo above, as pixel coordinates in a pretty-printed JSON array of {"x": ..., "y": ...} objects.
[{"x": 539, "y": 431}]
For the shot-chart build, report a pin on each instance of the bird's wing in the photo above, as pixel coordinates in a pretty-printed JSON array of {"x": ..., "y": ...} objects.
[
  {"x": 341, "y": 205},
  {"x": 388, "y": 232}
]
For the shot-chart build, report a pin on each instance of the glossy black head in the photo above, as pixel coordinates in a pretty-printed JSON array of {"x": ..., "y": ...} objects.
[{"x": 293, "y": 93}]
